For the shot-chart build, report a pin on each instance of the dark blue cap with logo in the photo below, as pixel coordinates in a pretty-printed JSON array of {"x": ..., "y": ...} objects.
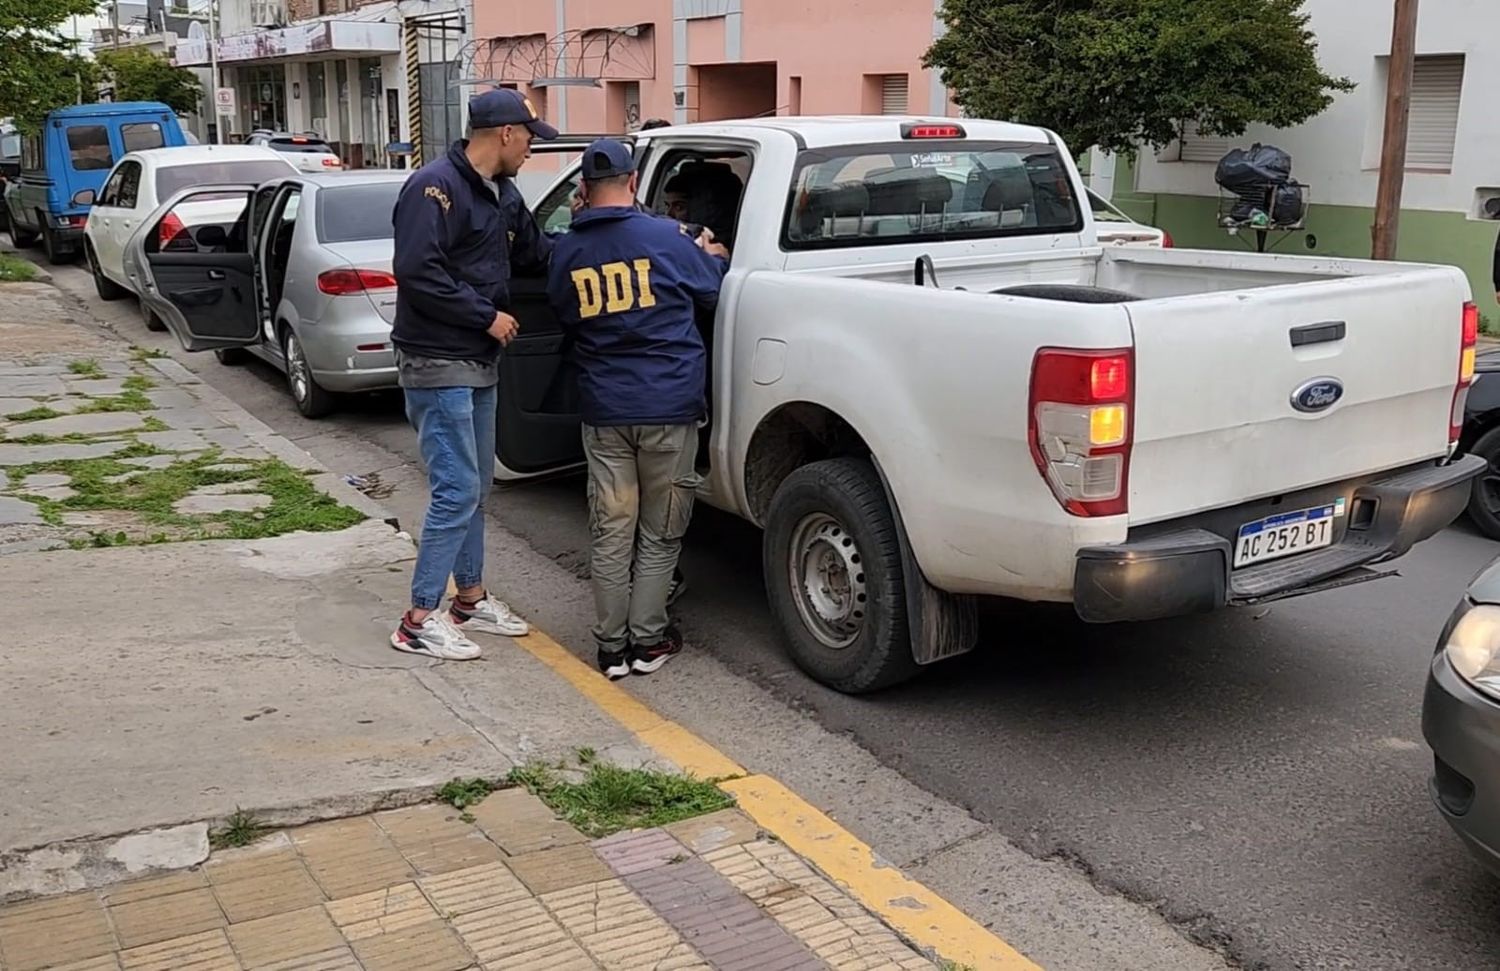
[
  {"x": 607, "y": 158},
  {"x": 503, "y": 106}
]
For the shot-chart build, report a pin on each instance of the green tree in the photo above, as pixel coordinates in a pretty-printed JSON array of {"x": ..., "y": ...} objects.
[
  {"x": 141, "y": 75},
  {"x": 1120, "y": 73},
  {"x": 39, "y": 68}
]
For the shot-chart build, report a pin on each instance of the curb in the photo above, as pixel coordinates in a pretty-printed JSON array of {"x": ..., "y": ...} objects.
[{"x": 914, "y": 910}]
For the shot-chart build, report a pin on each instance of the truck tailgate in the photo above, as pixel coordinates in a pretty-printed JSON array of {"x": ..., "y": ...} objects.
[{"x": 1215, "y": 422}]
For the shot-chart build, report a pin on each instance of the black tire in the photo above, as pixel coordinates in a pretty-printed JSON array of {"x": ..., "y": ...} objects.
[
  {"x": 311, "y": 399},
  {"x": 103, "y": 285},
  {"x": 232, "y": 356},
  {"x": 57, "y": 254},
  {"x": 1484, "y": 498},
  {"x": 1067, "y": 293},
  {"x": 21, "y": 238},
  {"x": 151, "y": 320},
  {"x": 834, "y": 514}
]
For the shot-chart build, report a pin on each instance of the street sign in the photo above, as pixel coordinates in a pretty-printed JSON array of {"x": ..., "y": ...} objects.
[{"x": 224, "y": 101}]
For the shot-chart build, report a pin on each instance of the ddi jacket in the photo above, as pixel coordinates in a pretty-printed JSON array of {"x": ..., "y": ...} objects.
[
  {"x": 624, "y": 285},
  {"x": 457, "y": 237}
]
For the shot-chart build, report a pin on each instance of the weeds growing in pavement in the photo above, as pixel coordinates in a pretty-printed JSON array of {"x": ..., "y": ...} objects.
[
  {"x": 610, "y": 798},
  {"x": 86, "y": 367},
  {"x": 463, "y": 793},
  {"x": 240, "y": 829},
  {"x": 39, "y": 413},
  {"x": 15, "y": 270},
  {"x": 147, "y": 353}
]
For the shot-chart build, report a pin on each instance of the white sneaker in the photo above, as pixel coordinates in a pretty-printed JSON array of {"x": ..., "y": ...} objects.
[
  {"x": 434, "y": 637},
  {"x": 489, "y": 616}
]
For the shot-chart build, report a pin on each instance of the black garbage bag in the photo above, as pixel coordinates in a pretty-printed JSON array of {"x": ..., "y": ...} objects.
[
  {"x": 1289, "y": 206},
  {"x": 1255, "y": 168}
]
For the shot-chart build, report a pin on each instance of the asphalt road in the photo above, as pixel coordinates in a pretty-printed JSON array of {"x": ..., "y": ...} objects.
[{"x": 1258, "y": 776}]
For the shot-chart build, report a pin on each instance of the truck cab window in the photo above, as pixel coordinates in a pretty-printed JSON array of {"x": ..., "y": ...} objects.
[{"x": 704, "y": 187}]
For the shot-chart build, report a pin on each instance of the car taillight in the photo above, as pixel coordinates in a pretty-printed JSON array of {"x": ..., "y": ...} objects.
[
  {"x": 341, "y": 283},
  {"x": 171, "y": 227},
  {"x": 1080, "y": 425},
  {"x": 1468, "y": 347},
  {"x": 1166, "y": 239},
  {"x": 329, "y": 162}
]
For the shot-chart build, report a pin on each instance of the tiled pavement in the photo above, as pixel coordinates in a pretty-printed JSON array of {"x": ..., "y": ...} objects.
[{"x": 421, "y": 889}]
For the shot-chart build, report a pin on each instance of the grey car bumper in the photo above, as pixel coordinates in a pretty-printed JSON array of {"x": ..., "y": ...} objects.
[{"x": 1463, "y": 728}]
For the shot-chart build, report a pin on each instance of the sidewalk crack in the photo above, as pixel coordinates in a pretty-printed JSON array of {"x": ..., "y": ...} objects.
[{"x": 421, "y": 676}]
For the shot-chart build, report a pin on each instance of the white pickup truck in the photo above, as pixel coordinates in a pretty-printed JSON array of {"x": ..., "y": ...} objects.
[{"x": 931, "y": 385}]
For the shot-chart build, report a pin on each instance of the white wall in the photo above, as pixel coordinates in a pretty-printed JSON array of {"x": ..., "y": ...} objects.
[{"x": 1337, "y": 153}]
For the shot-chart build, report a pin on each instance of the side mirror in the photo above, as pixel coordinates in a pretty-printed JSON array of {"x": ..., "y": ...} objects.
[
  {"x": 212, "y": 236},
  {"x": 84, "y": 197}
]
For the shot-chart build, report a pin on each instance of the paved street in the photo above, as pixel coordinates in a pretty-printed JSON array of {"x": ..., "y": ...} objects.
[{"x": 1257, "y": 776}]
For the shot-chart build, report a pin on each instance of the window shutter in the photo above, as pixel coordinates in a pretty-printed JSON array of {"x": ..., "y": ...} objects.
[
  {"x": 1201, "y": 148},
  {"x": 893, "y": 94},
  {"x": 1436, "y": 86}
]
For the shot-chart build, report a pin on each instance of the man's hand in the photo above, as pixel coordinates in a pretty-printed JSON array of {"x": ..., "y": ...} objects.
[
  {"x": 706, "y": 242},
  {"x": 504, "y": 328}
]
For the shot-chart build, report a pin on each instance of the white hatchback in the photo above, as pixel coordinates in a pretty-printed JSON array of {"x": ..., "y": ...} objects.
[
  {"x": 308, "y": 151},
  {"x": 141, "y": 181}
]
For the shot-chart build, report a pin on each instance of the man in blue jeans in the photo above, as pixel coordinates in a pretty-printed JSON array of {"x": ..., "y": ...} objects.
[{"x": 460, "y": 226}]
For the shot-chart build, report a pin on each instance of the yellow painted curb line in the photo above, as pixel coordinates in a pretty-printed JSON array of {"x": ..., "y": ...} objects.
[{"x": 910, "y": 907}]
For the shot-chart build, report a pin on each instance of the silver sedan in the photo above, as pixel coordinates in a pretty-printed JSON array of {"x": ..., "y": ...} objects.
[{"x": 317, "y": 257}]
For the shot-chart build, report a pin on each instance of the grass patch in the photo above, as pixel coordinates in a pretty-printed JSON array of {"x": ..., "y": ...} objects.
[
  {"x": 463, "y": 793},
  {"x": 86, "y": 367},
  {"x": 40, "y": 413},
  {"x": 15, "y": 270},
  {"x": 147, "y": 353},
  {"x": 240, "y": 829},
  {"x": 131, "y": 399},
  {"x": 138, "y": 382},
  {"x": 610, "y": 799}
]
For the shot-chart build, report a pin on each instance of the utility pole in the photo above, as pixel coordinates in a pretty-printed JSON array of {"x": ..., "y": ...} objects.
[
  {"x": 213, "y": 69},
  {"x": 114, "y": 18},
  {"x": 1393, "y": 146}
]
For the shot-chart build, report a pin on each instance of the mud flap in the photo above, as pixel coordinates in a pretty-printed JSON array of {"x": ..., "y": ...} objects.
[{"x": 942, "y": 624}]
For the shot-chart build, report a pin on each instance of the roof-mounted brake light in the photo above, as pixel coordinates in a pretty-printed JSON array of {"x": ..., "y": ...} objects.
[{"x": 924, "y": 129}]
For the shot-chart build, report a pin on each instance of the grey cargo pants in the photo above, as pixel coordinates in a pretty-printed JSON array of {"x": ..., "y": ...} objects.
[{"x": 640, "y": 493}]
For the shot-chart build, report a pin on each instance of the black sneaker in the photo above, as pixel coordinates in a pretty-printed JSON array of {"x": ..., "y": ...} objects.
[
  {"x": 614, "y": 664},
  {"x": 648, "y": 660},
  {"x": 678, "y": 587}
]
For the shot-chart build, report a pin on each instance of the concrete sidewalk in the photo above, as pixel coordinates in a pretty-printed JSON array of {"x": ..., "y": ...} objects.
[{"x": 508, "y": 888}]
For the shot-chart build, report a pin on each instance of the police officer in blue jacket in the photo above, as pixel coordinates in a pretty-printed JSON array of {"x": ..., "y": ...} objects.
[
  {"x": 625, "y": 285},
  {"x": 461, "y": 225}
]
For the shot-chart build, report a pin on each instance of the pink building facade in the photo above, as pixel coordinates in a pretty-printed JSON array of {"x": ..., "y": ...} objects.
[{"x": 604, "y": 66}]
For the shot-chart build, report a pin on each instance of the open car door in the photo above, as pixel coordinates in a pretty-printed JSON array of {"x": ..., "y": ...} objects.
[
  {"x": 191, "y": 261},
  {"x": 537, "y": 425}
]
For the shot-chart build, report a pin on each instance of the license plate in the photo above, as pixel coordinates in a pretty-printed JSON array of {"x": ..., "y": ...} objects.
[{"x": 1286, "y": 534}]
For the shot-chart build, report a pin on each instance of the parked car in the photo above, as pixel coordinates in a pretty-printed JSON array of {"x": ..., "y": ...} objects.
[
  {"x": 10, "y": 166},
  {"x": 307, "y": 151},
  {"x": 1461, "y": 719},
  {"x": 1116, "y": 228},
  {"x": 311, "y": 273},
  {"x": 1481, "y": 437},
  {"x": 142, "y": 180},
  {"x": 928, "y": 392},
  {"x": 64, "y": 166}
]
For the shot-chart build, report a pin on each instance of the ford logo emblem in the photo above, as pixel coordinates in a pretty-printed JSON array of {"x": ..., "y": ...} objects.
[{"x": 1318, "y": 394}]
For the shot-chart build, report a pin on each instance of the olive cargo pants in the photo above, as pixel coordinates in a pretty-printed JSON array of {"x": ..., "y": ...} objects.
[{"x": 640, "y": 493}]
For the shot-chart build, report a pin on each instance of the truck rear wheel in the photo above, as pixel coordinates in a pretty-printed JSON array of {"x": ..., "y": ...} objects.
[
  {"x": 833, "y": 574},
  {"x": 21, "y": 238}
]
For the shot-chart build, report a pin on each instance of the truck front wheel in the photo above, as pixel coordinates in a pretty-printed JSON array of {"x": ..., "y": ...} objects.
[{"x": 833, "y": 577}]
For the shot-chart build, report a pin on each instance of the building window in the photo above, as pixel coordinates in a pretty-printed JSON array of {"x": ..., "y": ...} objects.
[
  {"x": 317, "y": 96},
  {"x": 1436, "y": 88},
  {"x": 441, "y": 115},
  {"x": 1193, "y": 147},
  {"x": 893, "y": 98}
]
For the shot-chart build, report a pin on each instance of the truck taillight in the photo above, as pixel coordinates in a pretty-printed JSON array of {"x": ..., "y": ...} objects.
[
  {"x": 1468, "y": 348},
  {"x": 341, "y": 283},
  {"x": 1080, "y": 425}
]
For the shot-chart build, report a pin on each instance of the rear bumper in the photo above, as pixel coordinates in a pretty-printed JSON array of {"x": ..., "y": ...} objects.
[{"x": 1171, "y": 569}]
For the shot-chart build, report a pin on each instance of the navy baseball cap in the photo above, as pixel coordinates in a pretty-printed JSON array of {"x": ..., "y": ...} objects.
[
  {"x": 503, "y": 106},
  {"x": 607, "y": 158}
]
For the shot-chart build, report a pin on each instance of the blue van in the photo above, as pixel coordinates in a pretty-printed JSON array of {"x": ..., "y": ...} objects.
[{"x": 72, "y": 154}]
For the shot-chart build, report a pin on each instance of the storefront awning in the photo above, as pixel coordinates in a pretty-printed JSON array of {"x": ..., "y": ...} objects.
[{"x": 352, "y": 38}]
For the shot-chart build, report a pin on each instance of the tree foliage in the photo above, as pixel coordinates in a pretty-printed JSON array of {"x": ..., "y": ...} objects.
[
  {"x": 39, "y": 69},
  {"x": 1119, "y": 73},
  {"x": 142, "y": 75}
]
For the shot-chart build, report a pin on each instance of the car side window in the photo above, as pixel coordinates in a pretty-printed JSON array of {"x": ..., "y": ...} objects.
[
  {"x": 554, "y": 213},
  {"x": 111, "y": 190},
  {"x": 130, "y": 185},
  {"x": 141, "y": 135},
  {"x": 31, "y": 153}
]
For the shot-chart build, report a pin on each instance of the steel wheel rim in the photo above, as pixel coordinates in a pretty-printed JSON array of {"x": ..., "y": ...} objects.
[
  {"x": 828, "y": 582},
  {"x": 296, "y": 368}
]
